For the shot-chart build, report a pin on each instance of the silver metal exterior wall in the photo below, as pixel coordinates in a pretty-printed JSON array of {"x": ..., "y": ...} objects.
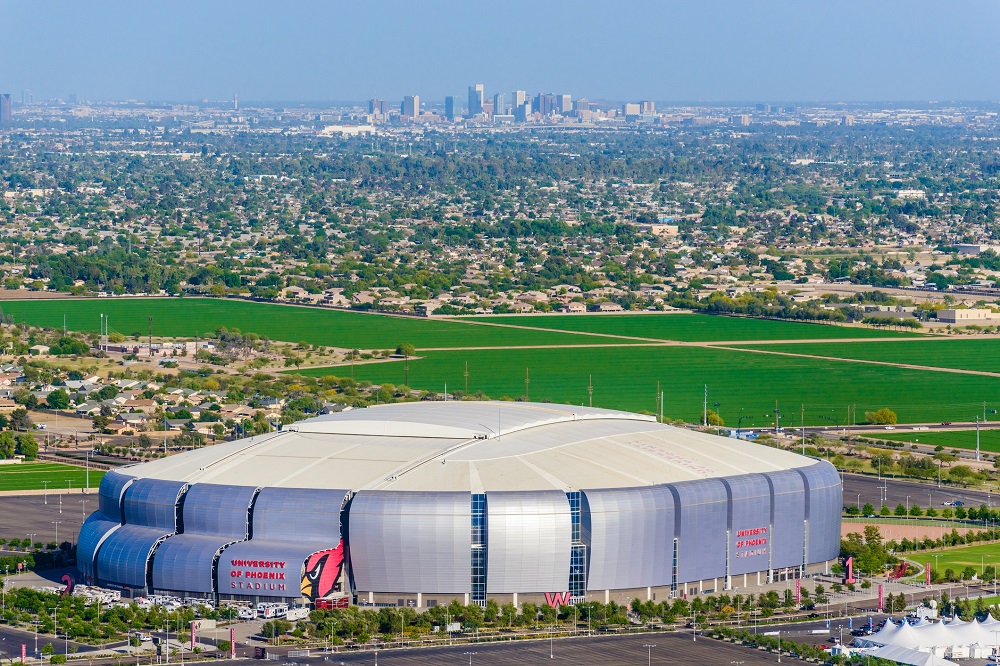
[
  {"x": 153, "y": 503},
  {"x": 184, "y": 563},
  {"x": 298, "y": 514},
  {"x": 214, "y": 517},
  {"x": 787, "y": 519},
  {"x": 528, "y": 542},
  {"x": 412, "y": 541},
  {"x": 703, "y": 512},
  {"x": 150, "y": 515},
  {"x": 750, "y": 523},
  {"x": 289, "y": 525},
  {"x": 102, "y": 522},
  {"x": 110, "y": 494},
  {"x": 629, "y": 533},
  {"x": 124, "y": 554},
  {"x": 824, "y": 507},
  {"x": 95, "y": 529},
  {"x": 218, "y": 510}
]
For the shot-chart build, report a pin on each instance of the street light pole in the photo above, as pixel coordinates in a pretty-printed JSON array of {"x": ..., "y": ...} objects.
[{"x": 649, "y": 653}]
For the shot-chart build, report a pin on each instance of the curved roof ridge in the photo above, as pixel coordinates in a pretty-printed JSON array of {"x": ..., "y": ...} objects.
[{"x": 454, "y": 419}]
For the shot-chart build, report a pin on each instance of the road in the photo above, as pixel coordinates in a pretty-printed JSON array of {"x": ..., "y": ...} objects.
[{"x": 897, "y": 492}]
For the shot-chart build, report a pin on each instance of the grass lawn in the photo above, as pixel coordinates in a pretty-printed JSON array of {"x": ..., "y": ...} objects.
[
  {"x": 961, "y": 557},
  {"x": 692, "y": 327},
  {"x": 961, "y": 353},
  {"x": 989, "y": 440},
  {"x": 30, "y": 475},
  {"x": 743, "y": 384},
  {"x": 187, "y": 317}
]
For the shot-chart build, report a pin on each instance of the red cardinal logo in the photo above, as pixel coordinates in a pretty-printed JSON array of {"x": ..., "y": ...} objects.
[{"x": 323, "y": 573}]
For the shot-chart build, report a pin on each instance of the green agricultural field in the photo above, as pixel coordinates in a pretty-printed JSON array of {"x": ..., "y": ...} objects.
[
  {"x": 958, "y": 558},
  {"x": 989, "y": 440},
  {"x": 744, "y": 384},
  {"x": 188, "y": 317},
  {"x": 960, "y": 353},
  {"x": 30, "y": 476},
  {"x": 691, "y": 327}
]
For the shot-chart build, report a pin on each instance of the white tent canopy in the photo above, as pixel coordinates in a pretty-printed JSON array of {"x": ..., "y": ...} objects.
[
  {"x": 907, "y": 656},
  {"x": 938, "y": 635}
]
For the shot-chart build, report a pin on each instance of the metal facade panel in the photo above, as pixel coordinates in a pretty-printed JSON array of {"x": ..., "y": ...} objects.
[
  {"x": 411, "y": 541},
  {"x": 110, "y": 494},
  {"x": 788, "y": 519},
  {"x": 95, "y": 529},
  {"x": 185, "y": 562},
  {"x": 153, "y": 503},
  {"x": 218, "y": 510},
  {"x": 826, "y": 503},
  {"x": 123, "y": 556},
  {"x": 703, "y": 509},
  {"x": 750, "y": 538},
  {"x": 300, "y": 514},
  {"x": 528, "y": 542},
  {"x": 629, "y": 534}
]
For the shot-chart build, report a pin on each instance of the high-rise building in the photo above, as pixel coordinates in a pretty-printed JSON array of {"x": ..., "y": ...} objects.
[
  {"x": 451, "y": 108},
  {"x": 476, "y": 98},
  {"x": 6, "y": 108},
  {"x": 378, "y": 107},
  {"x": 630, "y": 109},
  {"x": 564, "y": 104},
  {"x": 410, "y": 108},
  {"x": 647, "y": 107},
  {"x": 500, "y": 105},
  {"x": 518, "y": 98},
  {"x": 545, "y": 103},
  {"x": 522, "y": 111}
]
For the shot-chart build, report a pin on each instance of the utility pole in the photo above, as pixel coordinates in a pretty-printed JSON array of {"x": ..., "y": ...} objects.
[
  {"x": 466, "y": 378},
  {"x": 590, "y": 390},
  {"x": 658, "y": 401},
  {"x": 977, "y": 438},
  {"x": 527, "y": 381},
  {"x": 150, "y": 337},
  {"x": 803, "y": 424},
  {"x": 704, "y": 409}
]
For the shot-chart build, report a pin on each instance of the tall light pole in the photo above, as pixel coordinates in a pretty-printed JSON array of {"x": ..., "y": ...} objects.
[
  {"x": 470, "y": 656},
  {"x": 46, "y": 484},
  {"x": 56, "y": 523},
  {"x": 649, "y": 653}
]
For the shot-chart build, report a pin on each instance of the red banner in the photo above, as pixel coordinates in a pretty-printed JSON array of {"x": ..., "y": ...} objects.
[
  {"x": 24, "y": 653},
  {"x": 194, "y": 629},
  {"x": 927, "y": 574},
  {"x": 881, "y": 599},
  {"x": 798, "y": 591},
  {"x": 232, "y": 642}
]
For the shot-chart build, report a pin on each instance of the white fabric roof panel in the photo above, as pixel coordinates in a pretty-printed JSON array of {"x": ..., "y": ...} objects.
[{"x": 453, "y": 446}]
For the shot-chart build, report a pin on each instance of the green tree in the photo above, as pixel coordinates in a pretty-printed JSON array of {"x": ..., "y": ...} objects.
[
  {"x": 58, "y": 399},
  {"x": 7, "y": 445},
  {"x": 900, "y": 509},
  {"x": 883, "y": 416},
  {"x": 27, "y": 446},
  {"x": 19, "y": 419},
  {"x": 868, "y": 509}
]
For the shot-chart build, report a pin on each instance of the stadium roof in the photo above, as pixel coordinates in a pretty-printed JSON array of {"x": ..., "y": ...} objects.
[{"x": 472, "y": 447}]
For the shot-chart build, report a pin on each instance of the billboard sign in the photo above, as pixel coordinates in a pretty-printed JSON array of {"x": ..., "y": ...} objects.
[{"x": 324, "y": 573}]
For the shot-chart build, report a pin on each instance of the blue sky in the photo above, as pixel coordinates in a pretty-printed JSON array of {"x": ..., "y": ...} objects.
[{"x": 708, "y": 50}]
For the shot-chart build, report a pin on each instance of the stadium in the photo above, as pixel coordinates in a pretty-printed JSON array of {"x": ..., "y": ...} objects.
[{"x": 419, "y": 504}]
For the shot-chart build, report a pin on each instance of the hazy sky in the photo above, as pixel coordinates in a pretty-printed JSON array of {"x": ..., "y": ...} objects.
[{"x": 711, "y": 50}]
